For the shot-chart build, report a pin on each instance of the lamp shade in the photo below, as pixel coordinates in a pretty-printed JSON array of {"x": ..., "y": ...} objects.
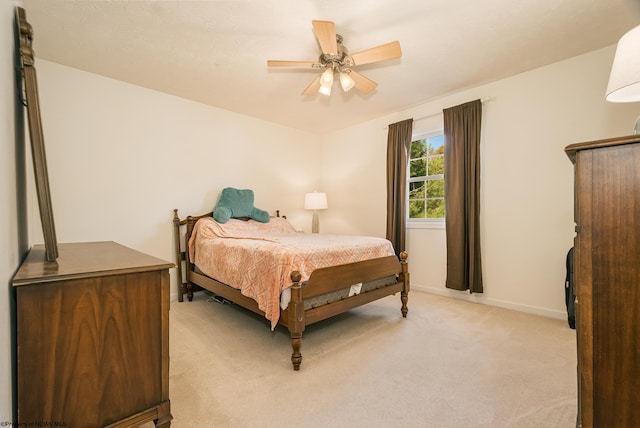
[
  {"x": 315, "y": 201},
  {"x": 624, "y": 81},
  {"x": 325, "y": 90},
  {"x": 346, "y": 81},
  {"x": 326, "y": 81}
]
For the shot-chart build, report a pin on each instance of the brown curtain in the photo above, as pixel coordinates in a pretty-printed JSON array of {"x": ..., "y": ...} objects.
[
  {"x": 398, "y": 141},
  {"x": 462, "y": 196}
]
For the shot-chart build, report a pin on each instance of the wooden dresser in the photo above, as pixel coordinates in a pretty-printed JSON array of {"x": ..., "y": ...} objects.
[
  {"x": 93, "y": 337},
  {"x": 607, "y": 279}
]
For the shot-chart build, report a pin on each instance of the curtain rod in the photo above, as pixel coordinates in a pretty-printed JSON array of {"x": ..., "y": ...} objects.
[{"x": 482, "y": 100}]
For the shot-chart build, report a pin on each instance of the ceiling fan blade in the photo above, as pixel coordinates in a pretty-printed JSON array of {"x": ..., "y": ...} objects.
[
  {"x": 313, "y": 88},
  {"x": 326, "y": 35},
  {"x": 362, "y": 83},
  {"x": 379, "y": 53},
  {"x": 294, "y": 64}
]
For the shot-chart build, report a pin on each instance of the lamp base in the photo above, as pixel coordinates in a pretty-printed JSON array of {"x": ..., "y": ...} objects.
[
  {"x": 315, "y": 222},
  {"x": 637, "y": 127}
]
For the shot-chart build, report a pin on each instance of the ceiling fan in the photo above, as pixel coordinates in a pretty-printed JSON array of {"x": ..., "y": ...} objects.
[{"x": 335, "y": 59}]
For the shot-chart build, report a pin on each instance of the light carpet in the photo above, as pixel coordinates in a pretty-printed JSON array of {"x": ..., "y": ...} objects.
[{"x": 450, "y": 363}]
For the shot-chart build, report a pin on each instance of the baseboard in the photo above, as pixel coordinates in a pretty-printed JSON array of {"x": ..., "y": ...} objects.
[{"x": 479, "y": 298}]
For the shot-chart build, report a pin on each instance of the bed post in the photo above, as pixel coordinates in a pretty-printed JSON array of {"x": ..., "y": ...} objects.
[
  {"x": 190, "y": 223},
  {"x": 404, "y": 277},
  {"x": 179, "y": 256},
  {"x": 296, "y": 319}
]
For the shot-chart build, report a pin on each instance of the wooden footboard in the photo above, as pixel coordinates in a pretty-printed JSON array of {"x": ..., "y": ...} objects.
[
  {"x": 324, "y": 280},
  {"x": 321, "y": 281}
]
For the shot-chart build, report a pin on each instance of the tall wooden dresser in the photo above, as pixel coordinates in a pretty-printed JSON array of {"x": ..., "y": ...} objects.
[
  {"x": 607, "y": 280},
  {"x": 93, "y": 337}
]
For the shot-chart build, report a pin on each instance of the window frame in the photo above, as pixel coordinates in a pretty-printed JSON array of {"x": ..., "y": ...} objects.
[{"x": 422, "y": 223}]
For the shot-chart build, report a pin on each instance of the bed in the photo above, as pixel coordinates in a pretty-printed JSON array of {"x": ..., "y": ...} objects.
[{"x": 292, "y": 279}]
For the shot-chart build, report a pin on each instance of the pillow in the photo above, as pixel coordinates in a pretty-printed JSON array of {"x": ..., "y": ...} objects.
[{"x": 238, "y": 203}]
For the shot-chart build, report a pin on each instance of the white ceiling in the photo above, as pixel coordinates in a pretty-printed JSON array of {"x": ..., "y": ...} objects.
[{"x": 215, "y": 51}]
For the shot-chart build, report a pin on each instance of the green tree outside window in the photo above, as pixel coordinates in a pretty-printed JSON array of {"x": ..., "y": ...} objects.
[{"x": 426, "y": 178}]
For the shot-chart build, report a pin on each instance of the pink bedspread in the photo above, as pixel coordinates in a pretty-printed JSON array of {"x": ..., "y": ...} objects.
[{"x": 257, "y": 258}]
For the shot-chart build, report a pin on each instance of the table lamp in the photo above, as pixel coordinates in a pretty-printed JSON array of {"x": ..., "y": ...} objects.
[{"x": 315, "y": 201}]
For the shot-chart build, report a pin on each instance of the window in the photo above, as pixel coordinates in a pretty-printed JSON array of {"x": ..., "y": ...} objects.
[{"x": 426, "y": 178}]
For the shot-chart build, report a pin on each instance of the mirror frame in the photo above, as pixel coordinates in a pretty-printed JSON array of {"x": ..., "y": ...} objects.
[{"x": 28, "y": 71}]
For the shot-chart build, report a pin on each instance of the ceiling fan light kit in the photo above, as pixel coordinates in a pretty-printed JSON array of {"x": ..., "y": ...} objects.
[{"x": 335, "y": 59}]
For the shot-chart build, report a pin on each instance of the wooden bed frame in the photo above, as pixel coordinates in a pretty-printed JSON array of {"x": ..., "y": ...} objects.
[{"x": 321, "y": 281}]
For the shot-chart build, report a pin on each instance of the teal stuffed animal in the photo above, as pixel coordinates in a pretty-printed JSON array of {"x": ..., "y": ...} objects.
[{"x": 238, "y": 203}]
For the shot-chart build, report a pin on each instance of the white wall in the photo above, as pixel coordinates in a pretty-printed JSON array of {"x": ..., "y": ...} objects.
[
  {"x": 13, "y": 226},
  {"x": 527, "y": 181},
  {"x": 121, "y": 157}
]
